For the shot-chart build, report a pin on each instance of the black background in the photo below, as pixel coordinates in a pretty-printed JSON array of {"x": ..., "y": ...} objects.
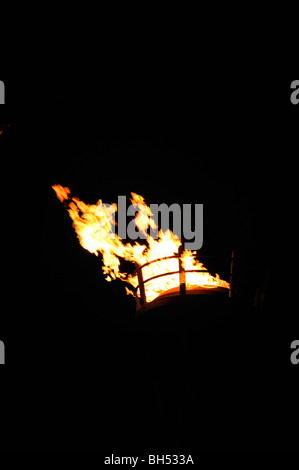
[{"x": 80, "y": 371}]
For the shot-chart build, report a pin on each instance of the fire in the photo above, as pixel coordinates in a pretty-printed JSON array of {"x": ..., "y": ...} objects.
[
  {"x": 94, "y": 226},
  {"x": 61, "y": 193}
]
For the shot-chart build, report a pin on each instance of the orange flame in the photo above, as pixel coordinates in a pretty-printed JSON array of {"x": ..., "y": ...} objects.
[
  {"x": 94, "y": 226},
  {"x": 61, "y": 192}
]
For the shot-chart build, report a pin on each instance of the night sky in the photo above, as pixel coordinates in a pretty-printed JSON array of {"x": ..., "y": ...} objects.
[{"x": 79, "y": 367}]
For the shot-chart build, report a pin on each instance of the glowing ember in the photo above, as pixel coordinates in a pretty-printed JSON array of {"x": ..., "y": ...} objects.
[{"x": 94, "y": 226}]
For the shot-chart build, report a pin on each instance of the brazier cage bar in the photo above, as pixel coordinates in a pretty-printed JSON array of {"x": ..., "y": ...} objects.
[{"x": 141, "y": 299}]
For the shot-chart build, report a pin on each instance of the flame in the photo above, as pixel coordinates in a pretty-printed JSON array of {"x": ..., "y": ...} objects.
[
  {"x": 142, "y": 219},
  {"x": 94, "y": 225},
  {"x": 202, "y": 279},
  {"x": 61, "y": 193}
]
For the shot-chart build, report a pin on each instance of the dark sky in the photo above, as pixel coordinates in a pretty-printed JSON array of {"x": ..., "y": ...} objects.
[{"x": 224, "y": 139}]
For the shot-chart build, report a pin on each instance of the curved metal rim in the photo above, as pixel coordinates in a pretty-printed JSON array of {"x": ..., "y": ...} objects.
[
  {"x": 141, "y": 302},
  {"x": 169, "y": 274},
  {"x": 162, "y": 259},
  {"x": 176, "y": 297}
]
